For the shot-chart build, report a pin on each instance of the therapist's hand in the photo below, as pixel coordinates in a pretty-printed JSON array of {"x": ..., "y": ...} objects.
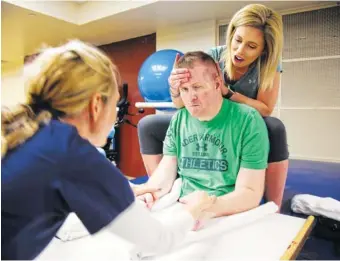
[
  {"x": 224, "y": 89},
  {"x": 177, "y": 77}
]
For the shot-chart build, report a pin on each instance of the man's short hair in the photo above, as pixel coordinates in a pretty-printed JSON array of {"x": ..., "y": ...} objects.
[{"x": 190, "y": 58}]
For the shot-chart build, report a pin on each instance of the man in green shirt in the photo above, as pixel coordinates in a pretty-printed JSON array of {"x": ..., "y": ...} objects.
[{"x": 213, "y": 144}]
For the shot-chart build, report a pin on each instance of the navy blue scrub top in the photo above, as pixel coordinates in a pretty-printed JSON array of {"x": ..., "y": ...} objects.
[{"x": 50, "y": 175}]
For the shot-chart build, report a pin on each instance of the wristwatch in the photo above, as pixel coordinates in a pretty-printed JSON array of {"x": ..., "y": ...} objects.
[{"x": 229, "y": 94}]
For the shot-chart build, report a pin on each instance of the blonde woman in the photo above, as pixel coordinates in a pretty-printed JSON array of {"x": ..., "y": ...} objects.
[
  {"x": 51, "y": 167},
  {"x": 250, "y": 67}
]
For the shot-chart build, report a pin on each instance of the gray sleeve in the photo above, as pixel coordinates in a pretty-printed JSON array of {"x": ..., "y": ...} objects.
[
  {"x": 279, "y": 67},
  {"x": 217, "y": 54},
  {"x": 213, "y": 53}
]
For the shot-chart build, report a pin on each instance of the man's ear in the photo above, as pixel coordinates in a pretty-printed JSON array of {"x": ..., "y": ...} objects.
[
  {"x": 95, "y": 108},
  {"x": 218, "y": 82}
]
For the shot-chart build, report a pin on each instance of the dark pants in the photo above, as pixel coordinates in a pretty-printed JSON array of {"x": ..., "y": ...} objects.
[{"x": 152, "y": 130}]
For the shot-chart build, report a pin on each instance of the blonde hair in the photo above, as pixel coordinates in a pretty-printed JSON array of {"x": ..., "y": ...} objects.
[
  {"x": 270, "y": 22},
  {"x": 60, "y": 82}
]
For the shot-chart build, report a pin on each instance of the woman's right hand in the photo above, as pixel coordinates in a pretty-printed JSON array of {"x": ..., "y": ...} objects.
[{"x": 177, "y": 77}]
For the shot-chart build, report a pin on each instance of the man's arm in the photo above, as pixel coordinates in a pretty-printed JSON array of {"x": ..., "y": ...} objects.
[
  {"x": 249, "y": 186},
  {"x": 248, "y": 193},
  {"x": 164, "y": 176}
]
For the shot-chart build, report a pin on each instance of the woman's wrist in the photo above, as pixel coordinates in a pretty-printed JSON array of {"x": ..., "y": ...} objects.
[
  {"x": 174, "y": 93},
  {"x": 224, "y": 90},
  {"x": 175, "y": 96},
  {"x": 228, "y": 93}
]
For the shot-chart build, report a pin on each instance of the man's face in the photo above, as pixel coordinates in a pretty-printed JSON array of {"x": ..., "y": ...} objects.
[{"x": 202, "y": 90}]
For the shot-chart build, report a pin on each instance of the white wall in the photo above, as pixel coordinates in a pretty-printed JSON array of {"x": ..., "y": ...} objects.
[
  {"x": 65, "y": 10},
  {"x": 310, "y": 91},
  {"x": 187, "y": 37},
  {"x": 12, "y": 85},
  {"x": 94, "y": 10}
]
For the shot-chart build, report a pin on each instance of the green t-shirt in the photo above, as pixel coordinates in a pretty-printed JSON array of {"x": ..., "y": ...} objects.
[{"x": 210, "y": 153}]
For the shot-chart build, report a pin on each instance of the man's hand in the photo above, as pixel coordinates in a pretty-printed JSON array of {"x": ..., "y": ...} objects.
[
  {"x": 140, "y": 190},
  {"x": 194, "y": 199},
  {"x": 146, "y": 194}
]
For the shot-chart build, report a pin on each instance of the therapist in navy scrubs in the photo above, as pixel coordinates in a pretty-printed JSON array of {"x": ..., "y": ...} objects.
[{"x": 51, "y": 167}]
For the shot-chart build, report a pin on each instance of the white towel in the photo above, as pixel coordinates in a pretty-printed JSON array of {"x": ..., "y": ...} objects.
[
  {"x": 72, "y": 229},
  {"x": 316, "y": 206},
  {"x": 213, "y": 228},
  {"x": 170, "y": 198}
]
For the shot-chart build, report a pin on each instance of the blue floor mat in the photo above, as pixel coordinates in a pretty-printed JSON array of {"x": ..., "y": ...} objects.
[
  {"x": 139, "y": 180},
  {"x": 316, "y": 178}
]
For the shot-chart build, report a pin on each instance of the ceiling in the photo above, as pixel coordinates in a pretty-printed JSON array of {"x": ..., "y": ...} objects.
[{"x": 27, "y": 25}]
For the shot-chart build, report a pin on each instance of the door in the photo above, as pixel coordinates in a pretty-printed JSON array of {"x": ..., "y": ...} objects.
[{"x": 129, "y": 55}]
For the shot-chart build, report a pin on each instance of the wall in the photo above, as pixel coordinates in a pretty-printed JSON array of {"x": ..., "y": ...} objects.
[
  {"x": 12, "y": 84},
  {"x": 188, "y": 37},
  {"x": 193, "y": 36},
  {"x": 310, "y": 97}
]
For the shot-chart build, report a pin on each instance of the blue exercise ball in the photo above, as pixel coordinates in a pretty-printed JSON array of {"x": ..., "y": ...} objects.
[{"x": 153, "y": 76}]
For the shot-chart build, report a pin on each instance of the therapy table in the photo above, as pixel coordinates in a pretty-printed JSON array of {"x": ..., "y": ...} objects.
[{"x": 271, "y": 236}]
